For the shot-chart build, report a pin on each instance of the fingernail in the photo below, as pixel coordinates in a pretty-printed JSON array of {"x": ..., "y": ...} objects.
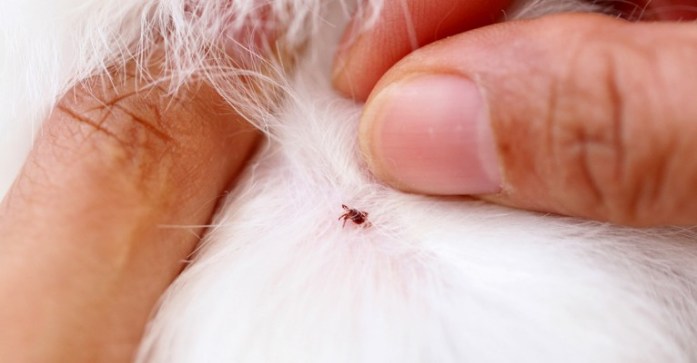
[{"x": 432, "y": 134}]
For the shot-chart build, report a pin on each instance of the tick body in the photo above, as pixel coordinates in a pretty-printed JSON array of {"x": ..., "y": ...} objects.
[{"x": 356, "y": 216}]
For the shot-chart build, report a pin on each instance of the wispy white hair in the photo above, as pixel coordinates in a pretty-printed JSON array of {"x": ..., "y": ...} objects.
[{"x": 47, "y": 47}]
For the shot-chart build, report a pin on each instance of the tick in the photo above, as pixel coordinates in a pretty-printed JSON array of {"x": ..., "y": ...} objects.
[{"x": 356, "y": 216}]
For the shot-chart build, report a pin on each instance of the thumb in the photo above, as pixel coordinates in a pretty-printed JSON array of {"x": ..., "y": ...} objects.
[{"x": 581, "y": 115}]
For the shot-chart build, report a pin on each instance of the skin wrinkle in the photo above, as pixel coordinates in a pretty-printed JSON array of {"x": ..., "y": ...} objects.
[
  {"x": 618, "y": 122},
  {"x": 107, "y": 101},
  {"x": 666, "y": 142},
  {"x": 609, "y": 125},
  {"x": 585, "y": 166},
  {"x": 630, "y": 205},
  {"x": 633, "y": 196},
  {"x": 155, "y": 87},
  {"x": 508, "y": 131},
  {"x": 131, "y": 148},
  {"x": 610, "y": 138},
  {"x": 601, "y": 155},
  {"x": 135, "y": 134},
  {"x": 551, "y": 123},
  {"x": 96, "y": 126},
  {"x": 678, "y": 173},
  {"x": 633, "y": 190},
  {"x": 142, "y": 122},
  {"x": 602, "y": 139},
  {"x": 619, "y": 119}
]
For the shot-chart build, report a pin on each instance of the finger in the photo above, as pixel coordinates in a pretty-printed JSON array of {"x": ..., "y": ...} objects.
[
  {"x": 403, "y": 26},
  {"x": 664, "y": 9},
  {"x": 582, "y": 115},
  {"x": 106, "y": 210}
]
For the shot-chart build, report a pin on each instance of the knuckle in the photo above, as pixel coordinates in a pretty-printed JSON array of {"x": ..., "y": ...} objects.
[{"x": 598, "y": 133}]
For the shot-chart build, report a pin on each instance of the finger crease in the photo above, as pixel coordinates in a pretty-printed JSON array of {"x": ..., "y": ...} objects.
[
  {"x": 84, "y": 120},
  {"x": 144, "y": 123}
]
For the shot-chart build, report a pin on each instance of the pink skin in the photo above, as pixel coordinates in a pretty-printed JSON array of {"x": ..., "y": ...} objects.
[{"x": 668, "y": 10}]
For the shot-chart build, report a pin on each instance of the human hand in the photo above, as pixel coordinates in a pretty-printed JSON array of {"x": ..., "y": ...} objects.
[
  {"x": 582, "y": 115},
  {"x": 110, "y": 203}
]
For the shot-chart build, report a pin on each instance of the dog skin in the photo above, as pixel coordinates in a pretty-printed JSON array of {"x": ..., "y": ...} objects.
[{"x": 278, "y": 276}]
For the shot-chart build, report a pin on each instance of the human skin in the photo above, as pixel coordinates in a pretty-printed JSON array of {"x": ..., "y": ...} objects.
[
  {"x": 110, "y": 203},
  {"x": 582, "y": 115}
]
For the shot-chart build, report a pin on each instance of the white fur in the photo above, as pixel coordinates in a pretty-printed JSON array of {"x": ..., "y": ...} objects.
[{"x": 278, "y": 279}]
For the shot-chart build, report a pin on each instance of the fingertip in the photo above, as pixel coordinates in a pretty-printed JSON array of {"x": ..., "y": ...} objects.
[
  {"x": 356, "y": 70},
  {"x": 346, "y": 81},
  {"x": 366, "y": 54}
]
